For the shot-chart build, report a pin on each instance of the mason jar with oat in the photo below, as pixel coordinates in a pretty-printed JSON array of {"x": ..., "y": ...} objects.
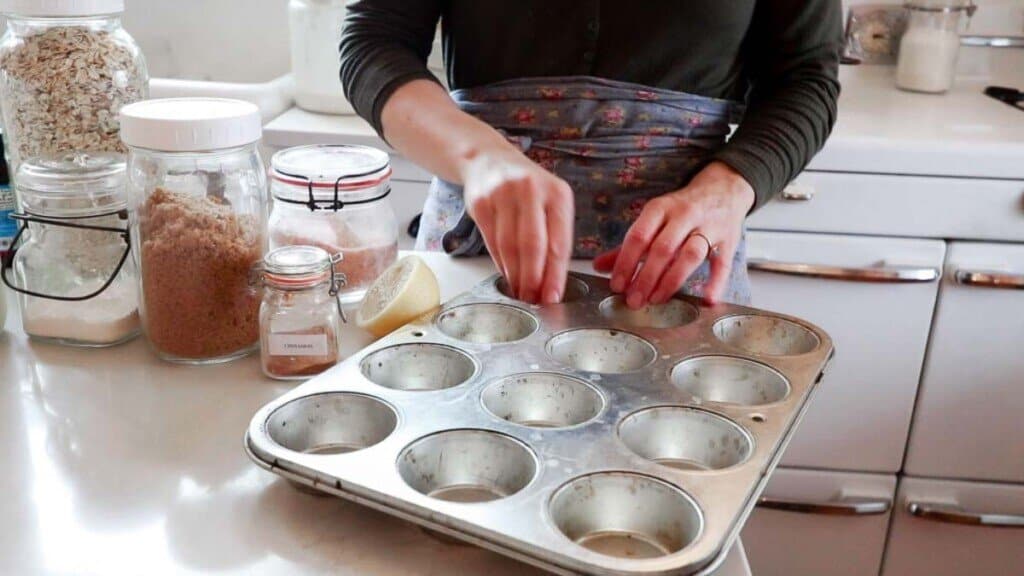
[
  {"x": 197, "y": 188},
  {"x": 336, "y": 197},
  {"x": 67, "y": 67}
]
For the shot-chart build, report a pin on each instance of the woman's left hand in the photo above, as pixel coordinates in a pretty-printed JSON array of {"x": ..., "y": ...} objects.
[{"x": 676, "y": 233}]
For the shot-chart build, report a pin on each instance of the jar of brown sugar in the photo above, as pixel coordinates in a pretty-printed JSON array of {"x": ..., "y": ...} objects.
[
  {"x": 336, "y": 197},
  {"x": 300, "y": 317},
  {"x": 197, "y": 189}
]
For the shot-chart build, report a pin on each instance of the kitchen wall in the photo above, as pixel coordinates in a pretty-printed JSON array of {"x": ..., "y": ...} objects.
[
  {"x": 226, "y": 40},
  {"x": 247, "y": 40}
]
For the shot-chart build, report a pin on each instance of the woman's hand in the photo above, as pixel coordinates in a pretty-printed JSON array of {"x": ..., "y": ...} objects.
[
  {"x": 675, "y": 233},
  {"x": 525, "y": 214}
]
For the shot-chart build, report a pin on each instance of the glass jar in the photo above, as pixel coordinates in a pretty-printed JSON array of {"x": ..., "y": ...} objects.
[
  {"x": 336, "y": 197},
  {"x": 300, "y": 318},
  {"x": 931, "y": 44},
  {"x": 197, "y": 194},
  {"x": 69, "y": 263},
  {"x": 66, "y": 69},
  {"x": 315, "y": 28}
]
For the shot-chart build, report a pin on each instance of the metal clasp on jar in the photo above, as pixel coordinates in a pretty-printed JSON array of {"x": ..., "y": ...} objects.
[
  {"x": 26, "y": 218},
  {"x": 338, "y": 281}
]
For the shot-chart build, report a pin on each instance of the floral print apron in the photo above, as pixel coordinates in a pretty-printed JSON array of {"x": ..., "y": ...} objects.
[{"x": 616, "y": 144}]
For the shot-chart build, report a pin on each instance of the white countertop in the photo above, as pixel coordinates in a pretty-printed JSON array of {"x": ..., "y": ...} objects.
[
  {"x": 880, "y": 130},
  {"x": 119, "y": 463}
]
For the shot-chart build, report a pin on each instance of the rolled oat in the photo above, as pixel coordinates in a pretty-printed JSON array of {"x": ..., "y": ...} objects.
[{"x": 62, "y": 88}]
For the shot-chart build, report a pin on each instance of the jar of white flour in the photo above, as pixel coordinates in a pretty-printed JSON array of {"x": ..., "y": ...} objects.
[{"x": 71, "y": 264}]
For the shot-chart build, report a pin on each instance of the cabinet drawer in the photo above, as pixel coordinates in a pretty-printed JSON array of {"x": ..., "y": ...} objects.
[
  {"x": 968, "y": 419},
  {"x": 887, "y": 205},
  {"x": 812, "y": 522},
  {"x": 876, "y": 301},
  {"x": 944, "y": 538}
]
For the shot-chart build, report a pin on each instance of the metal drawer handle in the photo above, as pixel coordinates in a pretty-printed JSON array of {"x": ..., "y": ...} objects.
[
  {"x": 955, "y": 515},
  {"x": 990, "y": 279},
  {"x": 886, "y": 274},
  {"x": 844, "y": 507},
  {"x": 798, "y": 193}
]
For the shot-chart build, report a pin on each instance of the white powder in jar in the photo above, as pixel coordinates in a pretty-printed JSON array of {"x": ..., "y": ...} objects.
[
  {"x": 927, "y": 60},
  {"x": 109, "y": 318}
]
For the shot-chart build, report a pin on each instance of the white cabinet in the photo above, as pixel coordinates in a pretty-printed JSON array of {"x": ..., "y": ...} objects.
[
  {"x": 887, "y": 205},
  {"x": 814, "y": 522},
  {"x": 874, "y": 296},
  {"x": 968, "y": 420},
  {"x": 952, "y": 528}
]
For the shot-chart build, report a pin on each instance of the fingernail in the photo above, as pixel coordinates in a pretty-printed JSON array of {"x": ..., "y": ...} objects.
[
  {"x": 618, "y": 283},
  {"x": 635, "y": 300},
  {"x": 553, "y": 297}
]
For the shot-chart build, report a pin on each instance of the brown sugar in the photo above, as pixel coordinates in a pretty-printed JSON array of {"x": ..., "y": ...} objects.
[{"x": 196, "y": 259}]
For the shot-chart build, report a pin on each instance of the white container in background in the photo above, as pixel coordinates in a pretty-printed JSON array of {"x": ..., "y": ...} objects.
[
  {"x": 931, "y": 44},
  {"x": 315, "y": 28}
]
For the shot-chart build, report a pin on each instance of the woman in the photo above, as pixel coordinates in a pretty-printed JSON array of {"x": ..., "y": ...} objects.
[{"x": 597, "y": 129}]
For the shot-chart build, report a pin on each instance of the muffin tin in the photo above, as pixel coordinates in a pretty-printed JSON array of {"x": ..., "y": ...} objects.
[{"x": 582, "y": 437}]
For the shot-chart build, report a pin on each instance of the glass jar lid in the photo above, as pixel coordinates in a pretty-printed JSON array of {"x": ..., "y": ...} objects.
[
  {"x": 297, "y": 266},
  {"x": 69, "y": 185},
  {"x": 319, "y": 173}
]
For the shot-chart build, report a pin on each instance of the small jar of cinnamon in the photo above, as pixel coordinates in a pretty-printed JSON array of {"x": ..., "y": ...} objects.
[{"x": 300, "y": 318}]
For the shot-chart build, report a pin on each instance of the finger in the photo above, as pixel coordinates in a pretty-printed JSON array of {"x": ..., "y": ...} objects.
[
  {"x": 690, "y": 256},
  {"x": 606, "y": 262},
  {"x": 660, "y": 255},
  {"x": 505, "y": 231},
  {"x": 560, "y": 214},
  {"x": 721, "y": 270},
  {"x": 639, "y": 237},
  {"x": 483, "y": 215},
  {"x": 533, "y": 240}
]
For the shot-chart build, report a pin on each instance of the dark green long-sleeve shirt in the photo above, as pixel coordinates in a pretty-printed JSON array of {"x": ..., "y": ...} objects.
[{"x": 781, "y": 57}]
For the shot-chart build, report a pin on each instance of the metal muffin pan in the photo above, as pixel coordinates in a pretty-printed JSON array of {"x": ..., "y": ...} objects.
[{"x": 582, "y": 437}]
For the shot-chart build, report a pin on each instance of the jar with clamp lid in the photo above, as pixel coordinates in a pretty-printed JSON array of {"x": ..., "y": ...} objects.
[
  {"x": 336, "y": 197},
  {"x": 69, "y": 262},
  {"x": 300, "y": 317}
]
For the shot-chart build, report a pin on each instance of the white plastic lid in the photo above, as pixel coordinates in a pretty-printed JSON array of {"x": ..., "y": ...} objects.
[
  {"x": 61, "y": 8},
  {"x": 190, "y": 124}
]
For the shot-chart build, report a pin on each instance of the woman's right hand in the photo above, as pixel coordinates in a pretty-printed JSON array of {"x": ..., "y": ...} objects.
[{"x": 525, "y": 214}]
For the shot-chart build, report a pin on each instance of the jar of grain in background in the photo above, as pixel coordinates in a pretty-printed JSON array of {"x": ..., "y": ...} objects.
[
  {"x": 197, "y": 192},
  {"x": 300, "y": 318},
  {"x": 66, "y": 69},
  {"x": 336, "y": 197},
  {"x": 70, "y": 262}
]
